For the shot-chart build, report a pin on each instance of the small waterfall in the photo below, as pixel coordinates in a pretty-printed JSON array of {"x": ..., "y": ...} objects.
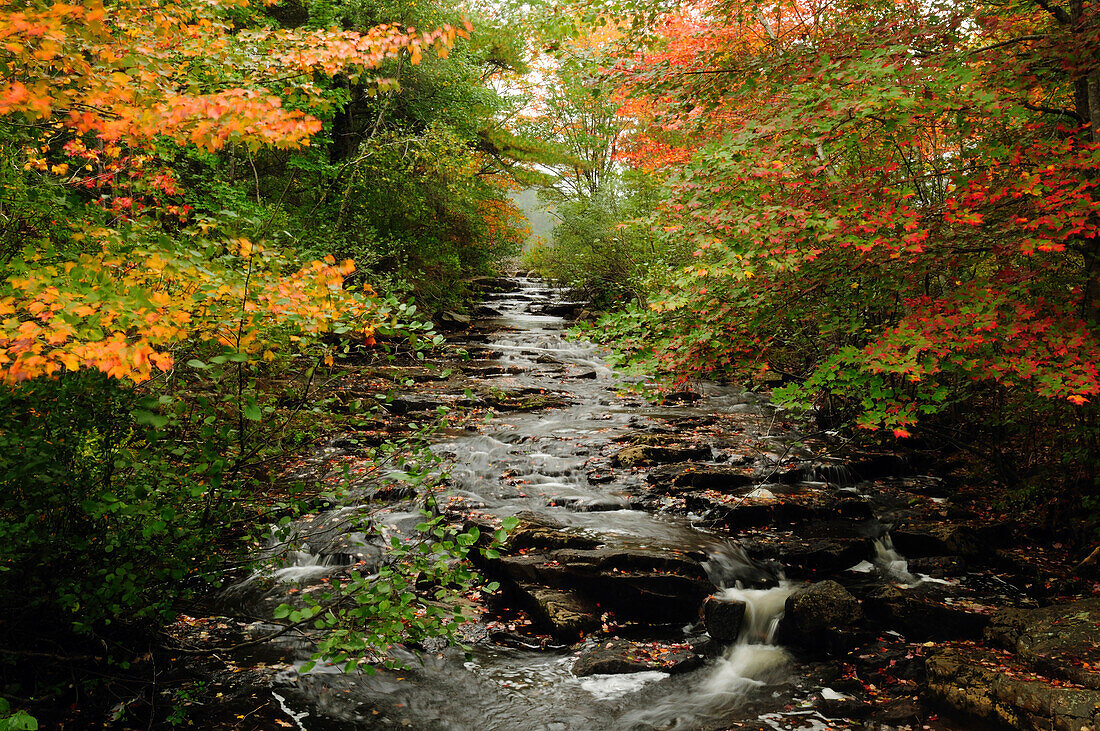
[
  {"x": 763, "y": 610},
  {"x": 751, "y": 662},
  {"x": 727, "y": 565},
  {"x": 891, "y": 562}
]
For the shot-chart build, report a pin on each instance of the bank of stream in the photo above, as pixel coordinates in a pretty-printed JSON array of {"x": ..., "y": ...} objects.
[{"x": 702, "y": 561}]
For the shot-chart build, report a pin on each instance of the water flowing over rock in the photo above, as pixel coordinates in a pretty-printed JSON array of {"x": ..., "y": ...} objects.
[{"x": 642, "y": 522}]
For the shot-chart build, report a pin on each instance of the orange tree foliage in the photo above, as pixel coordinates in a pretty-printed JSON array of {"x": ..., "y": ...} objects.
[
  {"x": 891, "y": 206},
  {"x": 103, "y": 85}
]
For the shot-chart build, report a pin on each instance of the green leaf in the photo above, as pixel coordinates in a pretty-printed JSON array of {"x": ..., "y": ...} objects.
[{"x": 251, "y": 409}]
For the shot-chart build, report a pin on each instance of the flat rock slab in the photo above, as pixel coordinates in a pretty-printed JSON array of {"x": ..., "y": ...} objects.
[
  {"x": 988, "y": 685},
  {"x": 681, "y": 477},
  {"x": 522, "y": 400},
  {"x": 772, "y": 505},
  {"x": 539, "y": 534},
  {"x": 1062, "y": 640},
  {"x": 635, "y": 583},
  {"x": 648, "y": 455},
  {"x": 623, "y": 656},
  {"x": 566, "y": 615},
  {"x": 923, "y": 617}
]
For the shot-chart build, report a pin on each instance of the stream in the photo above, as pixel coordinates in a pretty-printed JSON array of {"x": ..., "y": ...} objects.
[{"x": 554, "y": 467}]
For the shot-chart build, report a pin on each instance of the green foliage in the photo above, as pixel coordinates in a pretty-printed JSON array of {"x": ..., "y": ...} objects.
[
  {"x": 416, "y": 595},
  {"x": 15, "y": 721}
]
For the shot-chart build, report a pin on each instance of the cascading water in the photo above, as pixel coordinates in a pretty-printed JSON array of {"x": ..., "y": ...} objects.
[
  {"x": 892, "y": 563},
  {"x": 540, "y": 462},
  {"x": 746, "y": 666}
]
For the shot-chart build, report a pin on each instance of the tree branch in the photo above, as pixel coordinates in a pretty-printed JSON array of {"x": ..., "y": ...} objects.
[
  {"x": 1054, "y": 110},
  {"x": 1009, "y": 42},
  {"x": 1058, "y": 12}
]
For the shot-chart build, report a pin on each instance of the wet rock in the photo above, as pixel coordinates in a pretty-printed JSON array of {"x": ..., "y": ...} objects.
[
  {"x": 487, "y": 311},
  {"x": 562, "y": 309},
  {"x": 655, "y": 439},
  {"x": 917, "y": 540},
  {"x": 814, "y": 555},
  {"x": 494, "y": 284},
  {"x": 689, "y": 422},
  {"x": 1062, "y": 640},
  {"x": 401, "y": 374},
  {"x": 836, "y": 705},
  {"x": 875, "y": 466},
  {"x": 589, "y": 505},
  {"x": 542, "y": 536},
  {"x": 645, "y": 456},
  {"x": 586, "y": 375},
  {"x": 680, "y": 477},
  {"x": 681, "y": 397},
  {"x": 939, "y": 567},
  {"x": 481, "y": 371},
  {"x": 854, "y": 509},
  {"x": 641, "y": 584},
  {"x": 522, "y": 400},
  {"x": 566, "y": 615},
  {"x": 773, "y": 506},
  {"x": 986, "y": 684},
  {"x": 723, "y": 618},
  {"x": 598, "y": 477},
  {"x": 448, "y": 320},
  {"x": 820, "y": 617},
  {"x": 898, "y": 712},
  {"x": 623, "y": 656},
  {"x": 924, "y": 617}
]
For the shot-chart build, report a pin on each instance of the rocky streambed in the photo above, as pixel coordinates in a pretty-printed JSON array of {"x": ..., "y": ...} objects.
[{"x": 703, "y": 561}]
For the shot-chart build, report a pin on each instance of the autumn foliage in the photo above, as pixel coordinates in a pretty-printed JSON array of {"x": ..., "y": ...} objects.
[
  {"x": 890, "y": 209},
  {"x": 102, "y": 87}
]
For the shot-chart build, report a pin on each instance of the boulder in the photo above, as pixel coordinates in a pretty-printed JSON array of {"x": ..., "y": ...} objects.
[
  {"x": 563, "y": 309},
  {"x": 566, "y": 615},
  {"x": 989, "y": 686},
  {"x": 448, "y": 320},
  {"x": 645, "y": 456},
  {"x": 622, "y": 656},
  {"x": 819, "y": 607},
  {"x": 723, "y": 618}
]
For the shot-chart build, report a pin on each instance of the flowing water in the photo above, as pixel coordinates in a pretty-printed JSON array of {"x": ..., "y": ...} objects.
[{"x": 541, "y": 462}]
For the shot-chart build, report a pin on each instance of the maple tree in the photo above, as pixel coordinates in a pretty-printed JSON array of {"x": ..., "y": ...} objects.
[
  {"x": 100, "y": 86},
  {"x": 889, "y": 208},
  {"x": 163, "y": 165}
]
